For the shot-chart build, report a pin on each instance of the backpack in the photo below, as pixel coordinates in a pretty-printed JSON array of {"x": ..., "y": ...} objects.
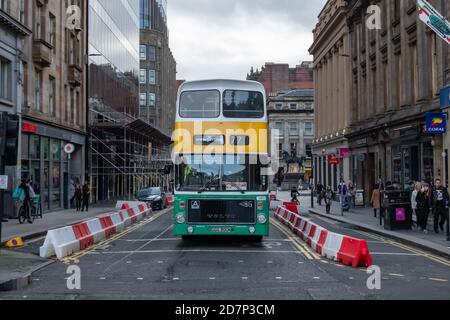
[{"x": 19, "y": 194}]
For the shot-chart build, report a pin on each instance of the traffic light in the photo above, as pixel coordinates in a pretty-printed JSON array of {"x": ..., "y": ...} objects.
[
  {"x": 3, "y": 124},
  {"x": 9, "y": 138}
]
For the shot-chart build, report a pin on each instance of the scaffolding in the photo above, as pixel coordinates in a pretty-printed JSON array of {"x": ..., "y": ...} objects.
[{"x": 126, "y": 155}]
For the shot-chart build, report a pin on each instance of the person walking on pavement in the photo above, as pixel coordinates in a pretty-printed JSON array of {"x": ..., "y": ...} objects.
[
  {"x": 440, "y": 202},
  {"x": 294, "y": 194},
  {"x": 423, "y": 200},
  {"x": 319, "y": 190},
  {"x": 78, "y": 197},
  {"x": 329, "y": 195},
  {"x": 86, "y": 195},
  {"x": 414, "y": 194},
  {"x": 342, "y": 192},
  {"x": 375, "y": 200}
]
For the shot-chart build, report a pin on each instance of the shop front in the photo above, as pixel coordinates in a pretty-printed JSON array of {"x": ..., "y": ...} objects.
[{"x": 52, "y": 170}]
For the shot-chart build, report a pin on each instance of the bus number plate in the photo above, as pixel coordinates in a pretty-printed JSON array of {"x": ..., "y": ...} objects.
[
  {"x": 222, "y": 230},
  {"x": 240, "y": 140}
]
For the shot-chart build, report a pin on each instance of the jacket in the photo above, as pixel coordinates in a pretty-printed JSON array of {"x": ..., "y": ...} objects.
[
  {"x": 440, "y": 198},
  {"x": 375, "y": 201}
]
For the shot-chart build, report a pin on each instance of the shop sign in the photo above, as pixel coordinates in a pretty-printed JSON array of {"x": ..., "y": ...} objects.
[
  {"x": 445, "y": 97},
  {"x": 333, "y": 159},
  {"x": 3, "y": 182},
  {"x": 29, "y": 128},
  {"x": 344, "y": 153},
  {"x": 436, "y": 123},
  {"x": 434, "y": 20}
]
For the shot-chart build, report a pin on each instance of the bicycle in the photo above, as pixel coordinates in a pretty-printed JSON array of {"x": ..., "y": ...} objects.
[
  {"x": 36, "y": 211},
  {"x": 25, "y": 214}
]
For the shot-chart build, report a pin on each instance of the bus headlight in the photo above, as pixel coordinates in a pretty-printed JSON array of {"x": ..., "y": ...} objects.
[
  {"x": 190, "y": 230},
  {"x": 180, "y": 219},
  {"x": 262, "y": 219},
  {"x": 252, "y": 230}
]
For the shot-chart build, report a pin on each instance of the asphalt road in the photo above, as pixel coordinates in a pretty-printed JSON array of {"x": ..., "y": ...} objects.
[{"x": 148, "y": 262}]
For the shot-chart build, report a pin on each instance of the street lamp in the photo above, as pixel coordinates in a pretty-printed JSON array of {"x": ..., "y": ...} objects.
[{"x": 444, "y": 161}]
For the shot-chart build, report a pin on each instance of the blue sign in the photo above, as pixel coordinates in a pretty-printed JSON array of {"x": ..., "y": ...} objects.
[
  {"x": 436, "y": 122},
  {"x": 445, "y": 97}
]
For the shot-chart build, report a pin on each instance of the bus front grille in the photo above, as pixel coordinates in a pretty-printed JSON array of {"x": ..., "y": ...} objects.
[{"x": 205, "y": 211}]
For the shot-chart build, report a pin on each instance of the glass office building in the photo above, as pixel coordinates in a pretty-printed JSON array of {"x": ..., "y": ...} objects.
[{"x": 113, "y": 51}]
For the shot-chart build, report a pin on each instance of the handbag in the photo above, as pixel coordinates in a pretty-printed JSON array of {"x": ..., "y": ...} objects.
[{"x": 19, "y": 194}]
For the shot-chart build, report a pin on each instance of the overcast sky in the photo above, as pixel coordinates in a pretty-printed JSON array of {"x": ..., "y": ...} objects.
[{"x": 224, "y": 38}]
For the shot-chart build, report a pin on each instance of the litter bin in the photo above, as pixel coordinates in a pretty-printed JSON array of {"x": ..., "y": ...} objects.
[
  {"x": 359, "y": 198},
  {"x": 397, "y": 210}
]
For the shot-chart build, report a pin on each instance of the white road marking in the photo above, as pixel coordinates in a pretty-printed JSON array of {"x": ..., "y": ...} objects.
[
  {"x": 102, "y": 278},
  {"x": 197, "y": 250},
  {"x": 160, "y": 262},
  {"x": 269, "y": 262},
  {"x": 300, "y": 262},
  {"x": 140, "y": 279},
  {"x": 244, "y": 278},
  {"x": 129, "y": 262},
  {"x": 279, "y": 278},
  {"x": 316, "y": 278},
  {"x": 212, "y": 278},
  {"x": 394, "y": 254},
  {"x": 176, "y": 279}
]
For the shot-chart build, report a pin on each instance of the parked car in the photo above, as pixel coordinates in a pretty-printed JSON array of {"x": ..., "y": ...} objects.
[{"x": 155, "y": 196}]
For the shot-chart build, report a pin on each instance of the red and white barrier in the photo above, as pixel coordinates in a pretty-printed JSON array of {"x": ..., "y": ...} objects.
[
  {"x": 66, "y": 241},
  {"x": 341, "y": 248}
]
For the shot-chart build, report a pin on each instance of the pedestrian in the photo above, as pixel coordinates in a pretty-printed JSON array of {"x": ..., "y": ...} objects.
[
  {"x": 329, "y": 196},
  {"x": 27, "y": 199},
  {"x": 319, "y": 190},
  {"x": 375, "y": 200},
  {"x": 342, "y": 192},
  {"x": 424, "y": 206},
  {"x": 294, "y": 194},
  {"x": 417, "y": 188},
  {"x": 86, "y": 196},
  {"x": 78, "y": 197},
  {"x": 351, "y": 194},
  {"x": 72, "y": 189},
  {"x": 440, "y": 202}
]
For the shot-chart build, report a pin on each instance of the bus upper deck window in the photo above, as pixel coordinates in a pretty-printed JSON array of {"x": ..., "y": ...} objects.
[
  {"x": 200, "y": 104},
  {"x": 243, "y": 104}
]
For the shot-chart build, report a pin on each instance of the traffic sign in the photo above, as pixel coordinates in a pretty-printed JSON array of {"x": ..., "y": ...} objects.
[{"x": 434, "y": 20}]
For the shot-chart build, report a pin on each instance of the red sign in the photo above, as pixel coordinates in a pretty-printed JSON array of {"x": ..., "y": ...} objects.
[
  {"x": 343, "y": 153},
  {"x": 29, "y": 128},
  {"x": 333, "y": 159}
]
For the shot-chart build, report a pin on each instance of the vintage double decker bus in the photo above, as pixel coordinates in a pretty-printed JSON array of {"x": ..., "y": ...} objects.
[{"x": 221, "y": 156}]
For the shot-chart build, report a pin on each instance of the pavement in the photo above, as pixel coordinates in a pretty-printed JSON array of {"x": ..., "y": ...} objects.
[
  {"x": 52, "y": 220},
  {"x": 149, "y": 262},
  {"x": 16, "y": 266}
]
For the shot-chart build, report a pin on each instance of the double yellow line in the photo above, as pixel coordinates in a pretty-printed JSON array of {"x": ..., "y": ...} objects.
[
  {"x": 75, "y": 258},
  {"x": 300, "y": 246}
]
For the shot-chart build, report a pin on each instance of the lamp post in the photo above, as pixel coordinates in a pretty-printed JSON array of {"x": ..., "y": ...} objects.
[{"x": 444, "y": 161}]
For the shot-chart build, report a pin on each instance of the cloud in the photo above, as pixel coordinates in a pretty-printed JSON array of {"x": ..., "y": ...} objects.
[{"x": 224, "y": 38}]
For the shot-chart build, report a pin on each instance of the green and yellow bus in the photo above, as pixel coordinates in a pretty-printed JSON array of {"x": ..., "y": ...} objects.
[{"x": 221, "y": 157}]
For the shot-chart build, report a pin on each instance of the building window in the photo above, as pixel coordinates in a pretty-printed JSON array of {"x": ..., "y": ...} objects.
[
  {"x": 293, "y": 106},
  {"x": 52, "y": 31},
  {"x": 38, "y": 22},
  {"x": 72, "y": 106},
  {"x": 143, "y": 100},
  {"x": 308, "y": 128},
  {"x": 308, "y": 150},
  {"x": 280, "y": 127},
  {"x": 143, "y": 52},
  {"x": 144, "y": 20},
  {"x": 396, "y": 10},
  {"x": 293, "y": 128},
  {"x": 21, "y": 13},
  {"x": 278, "y": 106},
  {"x": 308, "y": 106},
  {"x": 51, "y": 96},
  {"x": 151, "y": 99},
  {"x": 5, "y": 80},
  {"x": 142, "y": 76},
  {"x": 152, "y": 77},
  {"x": 79, "y": 112},
  {"x": 4, "y": 5},
  {"x": 152, "y": 53},
  {"x": 38, "y": 90},
  {"x": 294, "y": 148}
]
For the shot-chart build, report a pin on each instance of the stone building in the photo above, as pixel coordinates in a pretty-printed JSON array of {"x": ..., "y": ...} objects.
[
  {"x": 53, "y": 105},
  {"x": 397, "y": 73},
  {"x": 278, "y": 77},
  {"x": 158, "y": 87},
  {"x": 292, "y": 114},
  {"x": 332, "y": 79}
]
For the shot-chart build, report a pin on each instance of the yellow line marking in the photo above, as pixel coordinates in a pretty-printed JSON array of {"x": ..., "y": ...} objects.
[
  {"x": 303, "y": 248},
  {"x": 75, "y": 258},
  {"x": 438, "y": 280},
  {"x": 419, "y": 252}
]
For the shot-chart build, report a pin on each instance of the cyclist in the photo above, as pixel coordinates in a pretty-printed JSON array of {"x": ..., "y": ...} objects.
[{"x": 25, "y": 186}]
